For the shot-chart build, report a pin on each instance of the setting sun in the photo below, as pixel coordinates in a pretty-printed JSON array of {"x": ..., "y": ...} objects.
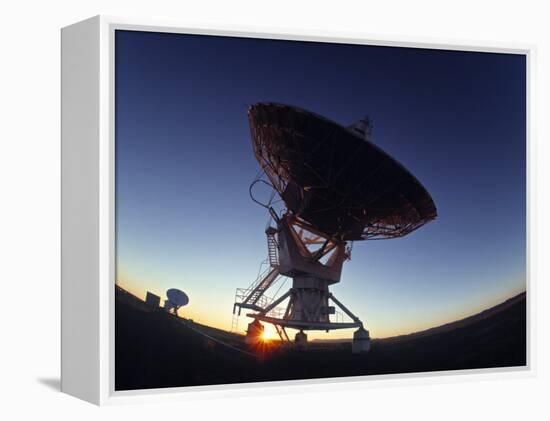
[{"x": 269, "y": 333}]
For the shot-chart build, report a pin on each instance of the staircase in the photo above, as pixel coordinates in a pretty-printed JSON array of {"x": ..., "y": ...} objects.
[
  {"x": 265, "y": 280},
  {"x": 262, "y": 286},
  {"x": 272, "y": 247},
  {"x": 253, "y": 297}
]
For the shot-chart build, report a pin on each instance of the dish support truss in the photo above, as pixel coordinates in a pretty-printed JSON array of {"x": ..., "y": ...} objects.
[{"x": 314, "y": 262}]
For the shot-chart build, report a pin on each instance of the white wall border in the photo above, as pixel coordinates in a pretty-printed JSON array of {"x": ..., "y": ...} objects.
[
  {"x": 80, "y": 102},
  {"x": 105, "y": 317}
]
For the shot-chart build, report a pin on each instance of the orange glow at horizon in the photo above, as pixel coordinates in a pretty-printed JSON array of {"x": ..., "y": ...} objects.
[{"x": 220, "y": 316}]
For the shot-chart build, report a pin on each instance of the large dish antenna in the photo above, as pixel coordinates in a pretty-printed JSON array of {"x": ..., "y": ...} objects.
[
  {"x": 337, "y": 187},
  {"x": 334, "y": 178}
]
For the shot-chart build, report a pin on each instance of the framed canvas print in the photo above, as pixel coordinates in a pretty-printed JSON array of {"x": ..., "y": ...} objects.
[{"x": 245, "y": 209}]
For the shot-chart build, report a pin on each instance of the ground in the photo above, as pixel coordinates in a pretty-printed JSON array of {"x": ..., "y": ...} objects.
[{"x": 154, "y": 349}]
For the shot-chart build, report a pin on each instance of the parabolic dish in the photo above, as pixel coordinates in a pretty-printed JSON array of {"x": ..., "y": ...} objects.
[
  {"x": 335, "y": 180},
  {"x": 177, "y": 297}
]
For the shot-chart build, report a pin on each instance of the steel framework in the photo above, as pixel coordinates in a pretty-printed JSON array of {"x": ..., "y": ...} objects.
[
  {"x": 337, "y": 187},
  {"x": 314, "y": 262}
]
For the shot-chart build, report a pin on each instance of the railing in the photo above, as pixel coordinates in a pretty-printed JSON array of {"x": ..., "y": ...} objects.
[
  {"x": 241, "y": 294},
  {"x": 337, "y": 317},
  {"x": 263, "y": 301},
  {"x": 262, "y": 273}
]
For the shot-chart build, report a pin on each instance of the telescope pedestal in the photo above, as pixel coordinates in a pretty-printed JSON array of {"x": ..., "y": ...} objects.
[
  {"x": 309, "y": 300},
  {"x": 361, "y": 341},
  {"x": 254, "y": 333},
  {"x": 301, "y": 340}
]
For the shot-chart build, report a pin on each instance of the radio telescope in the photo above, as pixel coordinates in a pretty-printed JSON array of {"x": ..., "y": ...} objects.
[
  {"x": 337, "y": 187},
  {"x": 176, "y": 299}
]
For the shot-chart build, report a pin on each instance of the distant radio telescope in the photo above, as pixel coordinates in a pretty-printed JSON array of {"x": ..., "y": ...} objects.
[
  {"x": 337, "y": 187},
  {"x": 176, "y": 299}
]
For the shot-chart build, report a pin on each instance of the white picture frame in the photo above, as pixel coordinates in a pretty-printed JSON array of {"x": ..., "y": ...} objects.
[{"x": 88, "y": 212}]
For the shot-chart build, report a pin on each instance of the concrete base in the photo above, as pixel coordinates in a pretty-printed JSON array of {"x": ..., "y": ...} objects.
[
  {"x": 254, "y": 333},
  {"x": 301, "y": 339},
  {"x": 361, "y": 341}
]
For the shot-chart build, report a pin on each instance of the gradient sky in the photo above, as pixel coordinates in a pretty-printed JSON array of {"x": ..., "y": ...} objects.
[{"x": 184, "y": 163}]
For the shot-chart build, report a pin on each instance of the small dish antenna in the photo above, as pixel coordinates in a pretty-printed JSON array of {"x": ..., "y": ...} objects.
[{"x": 176, "y": 299}]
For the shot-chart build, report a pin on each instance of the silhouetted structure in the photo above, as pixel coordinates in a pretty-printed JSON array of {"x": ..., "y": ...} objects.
[
  {"x": 152, "y": 300},
  {"x": 337, "y": 187},
  {"x": 176, "y": 299}
]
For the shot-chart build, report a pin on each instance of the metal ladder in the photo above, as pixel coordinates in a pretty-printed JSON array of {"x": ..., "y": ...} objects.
[
  {"x": 272, "y": 246},
  {"x": 235, "y": 323}
]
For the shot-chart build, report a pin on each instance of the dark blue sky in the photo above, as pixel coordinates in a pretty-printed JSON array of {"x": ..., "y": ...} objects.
[{"x": 184, "y": 163}]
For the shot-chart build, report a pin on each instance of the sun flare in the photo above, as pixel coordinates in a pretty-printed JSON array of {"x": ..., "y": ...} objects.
[{"x": 269, "y": 333}]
